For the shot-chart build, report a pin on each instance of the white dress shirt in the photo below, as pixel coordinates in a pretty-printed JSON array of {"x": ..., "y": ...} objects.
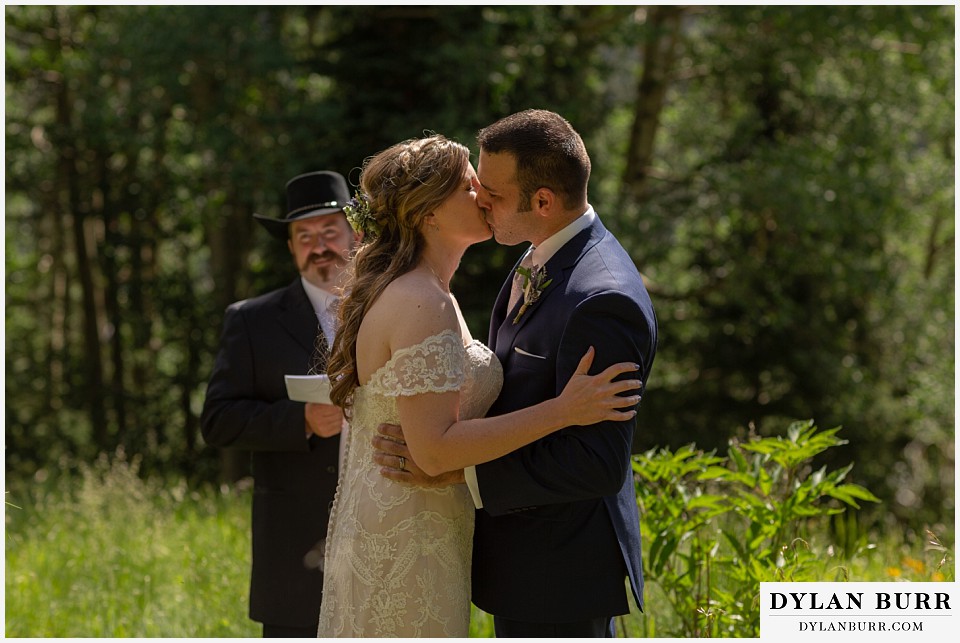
[{"x": 324, "y": 304}]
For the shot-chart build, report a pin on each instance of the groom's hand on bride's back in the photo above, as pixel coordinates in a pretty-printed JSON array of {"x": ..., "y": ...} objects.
[{"x": 396, "y": 463}]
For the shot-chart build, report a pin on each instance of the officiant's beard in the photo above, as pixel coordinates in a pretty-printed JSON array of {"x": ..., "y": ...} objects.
[{"x": 329, "y": 271}]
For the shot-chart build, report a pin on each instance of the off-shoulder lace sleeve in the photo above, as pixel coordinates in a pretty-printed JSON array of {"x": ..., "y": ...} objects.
[{"x": 435, "y": 365}]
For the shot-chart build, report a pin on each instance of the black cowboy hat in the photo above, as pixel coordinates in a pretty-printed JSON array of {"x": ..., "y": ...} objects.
[{"x": 309, "y": 195}]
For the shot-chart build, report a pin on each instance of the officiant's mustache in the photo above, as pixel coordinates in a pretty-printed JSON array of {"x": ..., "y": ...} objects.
[{"x": 326, "y": 255}]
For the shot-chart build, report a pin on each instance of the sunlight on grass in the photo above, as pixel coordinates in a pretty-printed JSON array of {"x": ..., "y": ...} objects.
[
  {"x": 106, "y": 554},
  {"x": 113, "y": 556}
]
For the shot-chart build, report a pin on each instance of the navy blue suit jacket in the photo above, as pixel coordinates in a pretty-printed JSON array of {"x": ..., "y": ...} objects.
[
  {"x": 559, "y": 530},
  {"x": 247, "y": 407}
]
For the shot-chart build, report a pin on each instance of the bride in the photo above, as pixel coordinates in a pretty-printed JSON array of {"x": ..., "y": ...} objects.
[{"x": 398, "y": 556}]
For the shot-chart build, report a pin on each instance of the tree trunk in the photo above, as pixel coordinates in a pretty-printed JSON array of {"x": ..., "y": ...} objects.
[
  {"x": 658, "y": 58},
  {"x": 104, "y": 203},
  {"x": 228, "y": 234},
  {"x": 69, "y": 180}
]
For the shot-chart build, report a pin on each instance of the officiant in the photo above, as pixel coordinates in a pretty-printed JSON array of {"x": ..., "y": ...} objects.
[{"x": 294, "y": 445}]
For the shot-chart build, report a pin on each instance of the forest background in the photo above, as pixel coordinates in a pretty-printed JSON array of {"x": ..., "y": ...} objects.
[{"x": 782, "y": 176}]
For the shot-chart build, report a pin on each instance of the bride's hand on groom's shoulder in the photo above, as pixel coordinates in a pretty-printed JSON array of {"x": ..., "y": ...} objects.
[
  {"x": 589, "y": 399},
  {"x": 396, "y": 463}
]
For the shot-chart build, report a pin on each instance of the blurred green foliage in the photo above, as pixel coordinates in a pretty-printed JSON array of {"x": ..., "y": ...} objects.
[{"x": 793, "y": 211}]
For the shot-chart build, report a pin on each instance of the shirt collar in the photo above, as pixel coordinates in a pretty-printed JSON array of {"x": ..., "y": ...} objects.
[
  {"x": 546, "y": 250},
  {"x": 320, "y": 298}
]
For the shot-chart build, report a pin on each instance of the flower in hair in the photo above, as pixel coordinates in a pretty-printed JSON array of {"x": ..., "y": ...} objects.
[{"x": 360, "y": 217}]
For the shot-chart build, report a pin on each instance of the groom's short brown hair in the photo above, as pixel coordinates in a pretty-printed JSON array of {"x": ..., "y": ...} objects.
[{"x": 548, "y": 151}]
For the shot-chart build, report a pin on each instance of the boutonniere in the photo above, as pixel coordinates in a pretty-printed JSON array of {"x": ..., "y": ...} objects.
[{"x": 534, "y": 282}]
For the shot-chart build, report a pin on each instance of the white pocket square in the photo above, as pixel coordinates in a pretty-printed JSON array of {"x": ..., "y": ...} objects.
[{"x": 523, "y": 352}]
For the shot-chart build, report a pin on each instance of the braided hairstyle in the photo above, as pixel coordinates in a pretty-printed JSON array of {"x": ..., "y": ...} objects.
[{"x": 401, "y": 186}]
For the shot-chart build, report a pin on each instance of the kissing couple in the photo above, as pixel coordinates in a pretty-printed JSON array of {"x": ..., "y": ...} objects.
[{"x": 500, "y": 473}]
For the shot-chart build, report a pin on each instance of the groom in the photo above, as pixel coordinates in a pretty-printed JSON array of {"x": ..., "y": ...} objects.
[{"x": 557, "y": 527}]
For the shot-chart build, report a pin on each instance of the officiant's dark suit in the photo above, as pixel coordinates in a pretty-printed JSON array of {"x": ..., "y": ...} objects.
[
  {"x": 246, "y": 407},
  {"x": 558, "y": 533}
]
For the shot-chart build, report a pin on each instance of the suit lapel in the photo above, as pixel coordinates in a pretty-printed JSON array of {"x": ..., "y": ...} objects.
[
  {"x": 558, "y": 269},
  {"x": 297, "y": 315},
  {"x": 500, "y": 312},
  {"x": 508, "y": 330}
]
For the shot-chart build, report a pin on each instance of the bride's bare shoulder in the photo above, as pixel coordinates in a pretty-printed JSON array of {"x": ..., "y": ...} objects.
[
  {"x": 414, "y": 301},
  {"x": 411, "y": 290}
]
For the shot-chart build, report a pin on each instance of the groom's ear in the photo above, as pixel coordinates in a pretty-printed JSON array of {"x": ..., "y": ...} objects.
[{"x": 545, "y": 202}]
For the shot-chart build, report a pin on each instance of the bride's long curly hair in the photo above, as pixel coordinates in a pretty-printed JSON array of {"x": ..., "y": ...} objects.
[{"x": 402, "y": 185}]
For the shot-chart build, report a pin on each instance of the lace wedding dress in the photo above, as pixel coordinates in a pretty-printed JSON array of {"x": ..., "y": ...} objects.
[{"x": 398, "y": 556}]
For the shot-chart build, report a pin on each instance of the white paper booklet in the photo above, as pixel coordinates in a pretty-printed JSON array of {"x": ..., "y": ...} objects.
[{"x": 308, "y": 388}]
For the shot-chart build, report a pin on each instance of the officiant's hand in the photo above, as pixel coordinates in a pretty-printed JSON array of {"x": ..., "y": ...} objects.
[
  {"x": 325, "y": 420},
  {"x": 396, "y": 463}
]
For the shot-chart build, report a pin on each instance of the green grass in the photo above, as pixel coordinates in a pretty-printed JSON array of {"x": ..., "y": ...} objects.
[
  {"x": 111, "y": 556},
  {"x": 105, "y": 554}
]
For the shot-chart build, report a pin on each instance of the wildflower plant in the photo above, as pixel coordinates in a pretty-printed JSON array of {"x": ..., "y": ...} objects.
[{"x": 716, "y": 527}]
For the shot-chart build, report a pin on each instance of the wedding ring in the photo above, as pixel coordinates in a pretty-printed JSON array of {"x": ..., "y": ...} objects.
[{"x": 403, "y": 463}]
